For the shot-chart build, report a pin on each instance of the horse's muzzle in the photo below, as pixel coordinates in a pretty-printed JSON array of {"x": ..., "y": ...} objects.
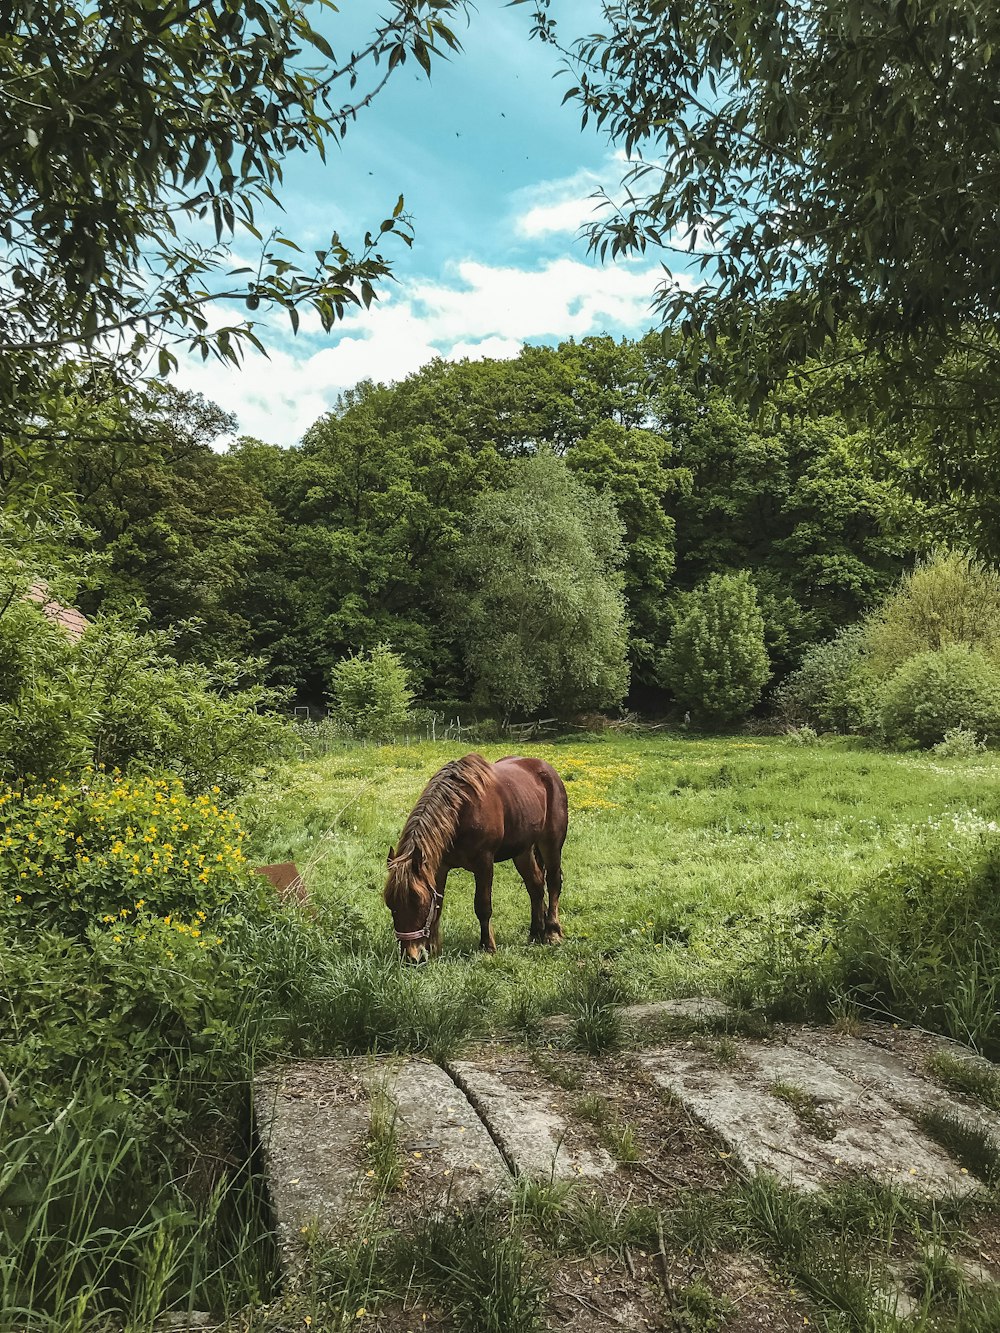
[{"x": 414, "y": 955}]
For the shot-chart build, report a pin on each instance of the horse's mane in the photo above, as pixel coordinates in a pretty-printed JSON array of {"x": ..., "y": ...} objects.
[{"x": 432, "y": 824}]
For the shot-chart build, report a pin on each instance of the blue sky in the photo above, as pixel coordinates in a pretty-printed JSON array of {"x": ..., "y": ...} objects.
[{"x": 496, "y": 175}]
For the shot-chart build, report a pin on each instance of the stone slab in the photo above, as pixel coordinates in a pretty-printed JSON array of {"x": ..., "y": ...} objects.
[
  {"x": 868, "y": 1134},
  {"x": 649, "y": 1013},
  {"x": 695, "y": 1008},
  {"x": 313, "y": 1121},
  {"x": 872, "y": 1067},
  {"x": 446, "y": 1147},
  {"x": 312, "y": 1124},
  {"x": 534, "y": 1138}
]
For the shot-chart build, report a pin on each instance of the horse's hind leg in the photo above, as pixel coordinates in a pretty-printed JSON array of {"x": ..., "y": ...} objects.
[
  {"x": 530, "y": 869},
  {"x": 550, "y": 856}
]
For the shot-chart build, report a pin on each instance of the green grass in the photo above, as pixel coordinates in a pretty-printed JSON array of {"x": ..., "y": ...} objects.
[
  {"x": 382, "y": 1147},
  {"x": 806, "y": 1108},
  {"x": 969, "y": 1077},
  {"x": 683, "y": 856}
]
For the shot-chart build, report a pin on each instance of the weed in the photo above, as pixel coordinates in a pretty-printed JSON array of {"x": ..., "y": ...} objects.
[
  {"x": 594, "y": 996},
  {"x": 845, "y": 1017},
  {"x": 726, "y": 1051},
  {"x": 478, "y": 1267},
  {"x": 806, "y": 1108},
  {"x": 561, "y": 1074},
  {"x": 382, "y": 1147},
  {"x": 591, "y": 1108},
  {"x": 937, "y": 1277},
  {"x": 543, "y": 1202},
  {"x": 700, "y": 1310},
  {"x": 970, "y": 1144},
  {"x": 973, "y": 1078},
  {"x": 624, "y": 1144}
]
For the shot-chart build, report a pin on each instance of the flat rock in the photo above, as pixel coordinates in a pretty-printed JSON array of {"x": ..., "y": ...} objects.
[
  {"x": 651, "y": 1013},
  {"x": 863, "y": 1132},
  {"x": 535, "y": 1139},
  {"x": 447, "y": 1148},
  {"x": 313, "y": 1121},
  {"x": 872, "y": 1067},
  {"x": 695, "y": 1007}
]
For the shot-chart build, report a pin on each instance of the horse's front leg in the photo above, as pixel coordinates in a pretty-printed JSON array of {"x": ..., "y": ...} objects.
[
  {"x": 484, "y": 905},
  {"x": 440, "y": 880}
]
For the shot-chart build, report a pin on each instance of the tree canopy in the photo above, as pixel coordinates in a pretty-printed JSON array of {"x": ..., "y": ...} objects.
[
  {"x": 137, "y": 140},
  {"x": 833, "y": 164}
]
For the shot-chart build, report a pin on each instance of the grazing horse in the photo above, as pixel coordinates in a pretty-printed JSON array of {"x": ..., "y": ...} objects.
[{"x": 469, "y": 816}]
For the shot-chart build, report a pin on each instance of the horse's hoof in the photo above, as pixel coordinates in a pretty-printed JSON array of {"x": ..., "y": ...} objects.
[{"x": 553, "y": 935}]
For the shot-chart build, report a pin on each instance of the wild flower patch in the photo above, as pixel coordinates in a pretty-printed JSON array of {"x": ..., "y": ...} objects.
[{"x": 113, "y": 850}]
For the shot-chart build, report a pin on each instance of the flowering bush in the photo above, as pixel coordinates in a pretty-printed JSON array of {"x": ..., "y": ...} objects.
[{"x": 115, "y": 849}]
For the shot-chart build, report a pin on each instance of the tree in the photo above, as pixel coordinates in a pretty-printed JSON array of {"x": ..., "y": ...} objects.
[
  {"x": 371, "y": 693},
  {"x": 831, "y": 166},
  {"x": 125, "y": 124},
  {"x": 543, "y": 621},
  {"x": 631, "y": 468},
  {"x": 716, "y": 663}
]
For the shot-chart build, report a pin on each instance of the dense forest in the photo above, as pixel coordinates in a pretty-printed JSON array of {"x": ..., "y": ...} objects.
[{"x": 540, "y": 517}]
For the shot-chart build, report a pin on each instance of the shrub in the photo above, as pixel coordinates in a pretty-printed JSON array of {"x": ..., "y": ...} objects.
[
  {"x": 371, "y": 693},
  {"x": 717, "y": 663},
  {"x": 831, "y": 689},
  {"x": 118, "y": 698},
  {"x": 934, "y": 692},
  {"x": 922, "y": 939},
  {"x": 949, "y": 598},
  {"x": 918, "y": 941},
  {"x": 75, "y": 856},
  {"x": 959, "y": 743}
]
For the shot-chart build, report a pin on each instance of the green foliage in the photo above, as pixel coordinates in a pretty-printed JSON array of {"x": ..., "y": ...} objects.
[
  {"x": 932, "y": 693},
  {"x": 545, "y": 624},
  {"x": 110, "y": 850},
  {"x": 717, "y": 663},
  {"x": 371, "y": 694},
  {"x": 862, "y": 214},
  {"x": 159, "y": 121},
  {"x": 630, "y": 466},
  {"x": 830, "y": 688},
  {"x": 86, "y": 1243},
  {"x": 959, "y": 743},
  {"x": 119, "y": 698},
  {"x": 948, "y": 598}
]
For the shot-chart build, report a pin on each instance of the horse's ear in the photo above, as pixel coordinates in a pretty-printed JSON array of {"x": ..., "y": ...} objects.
[
  {"x": 391, "y": 857},
  {"x": 416, "y": 860}
]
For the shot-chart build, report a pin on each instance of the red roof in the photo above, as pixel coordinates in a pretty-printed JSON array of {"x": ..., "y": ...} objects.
[{"x": 68, "y": 618}]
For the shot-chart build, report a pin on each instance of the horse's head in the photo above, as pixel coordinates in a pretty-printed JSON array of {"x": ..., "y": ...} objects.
[{"x": 415, "y": 906}]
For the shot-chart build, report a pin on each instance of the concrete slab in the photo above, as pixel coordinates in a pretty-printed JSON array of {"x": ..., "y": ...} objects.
[
  {"x": 696, "y": 1008},
  {"x": 535, "y": 1139},
  {"x": 650, "y": 1013},
  {"x": 872, "y": 1067},
  {"x": 312, "y": 1123},
  {"x": 447, "y": 1150},
  {"x": 867, "y": 1134}
]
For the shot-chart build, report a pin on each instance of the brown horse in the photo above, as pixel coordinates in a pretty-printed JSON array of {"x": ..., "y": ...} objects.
[{"x": 469, "y": 816}]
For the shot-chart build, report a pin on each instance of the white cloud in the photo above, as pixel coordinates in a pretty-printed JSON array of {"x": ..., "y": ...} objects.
[
  {"x": 567, "y": 204},
  {"x": 478, "y": 311}
]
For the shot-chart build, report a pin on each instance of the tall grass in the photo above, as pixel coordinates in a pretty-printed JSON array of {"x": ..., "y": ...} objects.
[{"x": 87, "y": 1237}]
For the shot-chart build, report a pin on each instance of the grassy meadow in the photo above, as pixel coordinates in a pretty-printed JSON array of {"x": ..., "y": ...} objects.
[
  {"x": 683, "y": 856},
  {"x": 805, "y": 879}
]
